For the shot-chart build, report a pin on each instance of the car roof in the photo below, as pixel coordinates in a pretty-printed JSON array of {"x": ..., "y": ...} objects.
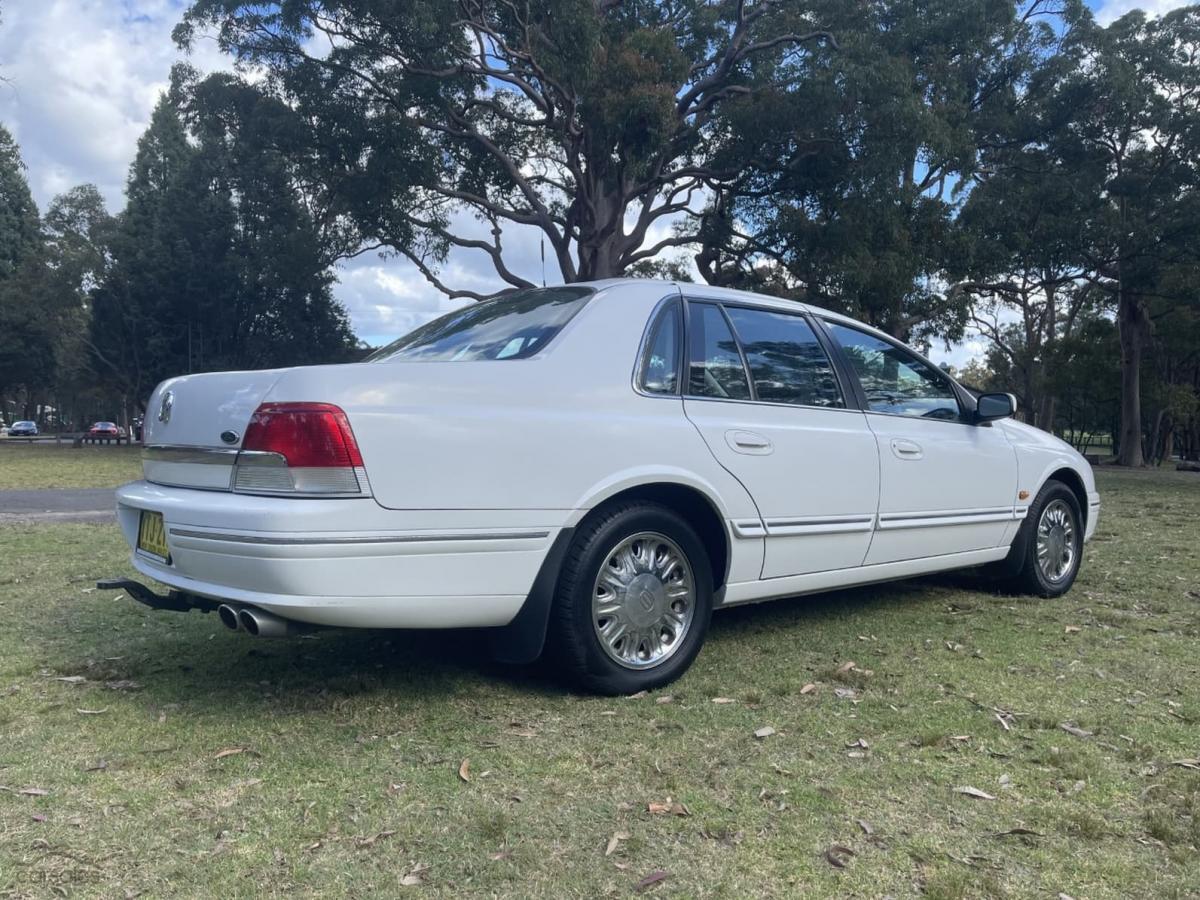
[{"x": 707, "y": 291}]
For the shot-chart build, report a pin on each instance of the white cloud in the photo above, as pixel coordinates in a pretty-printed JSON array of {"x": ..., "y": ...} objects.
[
  {"x": 1111, "y": 10},
  {"x": 82, "y": 79}
]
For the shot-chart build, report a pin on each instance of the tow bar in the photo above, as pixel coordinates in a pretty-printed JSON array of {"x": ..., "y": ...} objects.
[{"x": 175, "y": 601}]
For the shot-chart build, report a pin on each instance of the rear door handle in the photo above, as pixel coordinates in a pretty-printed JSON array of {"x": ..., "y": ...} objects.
[
  {"x": 748, "y": 442},
  {"x": 907, "y": 449}
]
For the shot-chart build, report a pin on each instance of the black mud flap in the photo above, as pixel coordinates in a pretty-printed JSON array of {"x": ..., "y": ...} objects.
[
  {"x": 522, "y": 639},
  {"x": 174, "y": 601}
]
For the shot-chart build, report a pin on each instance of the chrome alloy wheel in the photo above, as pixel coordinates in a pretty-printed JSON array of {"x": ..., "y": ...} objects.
[
  {"x": 1056, "y": 541},
  {"x": 643, "y": 600}
]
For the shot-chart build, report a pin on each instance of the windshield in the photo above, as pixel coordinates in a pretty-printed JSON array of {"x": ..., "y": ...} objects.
[{"x": 513, "y": 326}]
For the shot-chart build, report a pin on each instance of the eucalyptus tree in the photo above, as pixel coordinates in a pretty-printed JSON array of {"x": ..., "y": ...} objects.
[
  {"x": 19, "y": 224},
  {"x": 857, "y": 200},
  {"x": 171, "y": 263},
  {"x": 215, "y": 261},
  {"x": 1128, "y": 117},
  {"x": 20, "y": 262},
  {"x": 594, "y": 123}
]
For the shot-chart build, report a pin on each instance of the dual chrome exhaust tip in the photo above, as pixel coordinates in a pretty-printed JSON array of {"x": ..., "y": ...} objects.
[{"x": 257, "y": 622}]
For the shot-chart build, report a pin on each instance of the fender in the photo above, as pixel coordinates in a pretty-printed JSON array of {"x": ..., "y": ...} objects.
[{"x": 647, "y": 475}]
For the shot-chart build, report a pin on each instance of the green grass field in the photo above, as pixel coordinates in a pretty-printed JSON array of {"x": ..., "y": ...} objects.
[
  {"x": 154, "y": 754},
  {"x": 26, "y": 466}
]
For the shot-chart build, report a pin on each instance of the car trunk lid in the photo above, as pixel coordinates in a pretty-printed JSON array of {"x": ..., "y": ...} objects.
[{"x": 195, "y": 425}]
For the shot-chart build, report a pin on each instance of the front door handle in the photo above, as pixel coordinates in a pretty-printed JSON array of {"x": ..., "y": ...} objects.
[
  {"x": 907, "y": 449},
  {"x": 748, "y": 442}
]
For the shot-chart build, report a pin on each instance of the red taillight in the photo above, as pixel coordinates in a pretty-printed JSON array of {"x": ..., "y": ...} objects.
[{"x": 307, "y": 435}]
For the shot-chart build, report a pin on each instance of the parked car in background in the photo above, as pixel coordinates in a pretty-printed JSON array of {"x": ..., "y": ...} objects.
[
  {"x": 23, "y": 429},
  {"x": 592, "y": 469},
  {"x": 3, "y": 428},
  {"x": 104, "y": 430}
]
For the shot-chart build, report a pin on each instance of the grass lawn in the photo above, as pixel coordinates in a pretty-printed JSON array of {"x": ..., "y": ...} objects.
[
  {"x": 28, "y": 466},
  {"x": 156, "y": 754}
]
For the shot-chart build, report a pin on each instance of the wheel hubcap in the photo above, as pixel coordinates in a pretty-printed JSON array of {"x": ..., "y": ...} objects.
[
  {"x": 1056, "y": 541},
  {"x": 643, "y": 601}
]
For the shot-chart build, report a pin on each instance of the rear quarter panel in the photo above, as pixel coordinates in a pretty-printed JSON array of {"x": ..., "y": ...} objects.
[{"x": 558, "y": 432}]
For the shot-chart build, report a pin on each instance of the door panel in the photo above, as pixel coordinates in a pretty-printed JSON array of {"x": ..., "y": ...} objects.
[
  {"x": 816, "y": 489},
  {"x": 946, "y": 486},
  {"x": 810, "y": 464},
  {"x": 956, "y": 494}
]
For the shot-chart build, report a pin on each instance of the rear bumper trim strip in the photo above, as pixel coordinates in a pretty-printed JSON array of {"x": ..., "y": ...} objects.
[{"x": 356, "y": 539}]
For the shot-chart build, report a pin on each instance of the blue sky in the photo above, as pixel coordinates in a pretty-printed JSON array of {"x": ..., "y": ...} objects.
[{"x": 83, "y": 77}]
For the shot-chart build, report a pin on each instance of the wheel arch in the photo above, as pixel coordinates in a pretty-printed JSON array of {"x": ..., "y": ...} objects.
[
  {"x": 1065, "y": 474},
  {"x": 522, "y": 640},
  {"x": 694, "y": 505},
  {"x": 1073, "y": 480}
]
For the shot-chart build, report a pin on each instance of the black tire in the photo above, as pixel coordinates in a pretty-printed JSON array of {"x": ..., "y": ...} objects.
[
  {"x": 573, "y": 642},
  {"x": 1028, "y": 577}
]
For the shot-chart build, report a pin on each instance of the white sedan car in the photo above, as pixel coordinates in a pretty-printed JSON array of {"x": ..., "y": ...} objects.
[{"x": 592, "y": 470}]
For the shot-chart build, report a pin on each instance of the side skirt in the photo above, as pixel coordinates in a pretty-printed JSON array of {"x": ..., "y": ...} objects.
[{"x": 813, "y": 582}]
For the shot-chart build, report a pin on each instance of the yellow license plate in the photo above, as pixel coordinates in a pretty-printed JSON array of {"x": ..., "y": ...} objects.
[{"x": 152, "y": 536}]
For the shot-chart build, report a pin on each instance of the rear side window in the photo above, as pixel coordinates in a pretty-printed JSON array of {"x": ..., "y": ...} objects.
[
  {"x": 514, "y": 326},
  {"x": 714, "y": 363},
  {"x": 659, "y": 373},
  {"x": 787, "y": 362}
]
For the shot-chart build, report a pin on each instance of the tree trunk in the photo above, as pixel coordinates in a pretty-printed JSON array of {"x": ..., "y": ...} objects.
[
  {"x": 1168, "y": 440},
  {"x": 1130, "y": 325},
  {"x": 1152, "y": 456}
]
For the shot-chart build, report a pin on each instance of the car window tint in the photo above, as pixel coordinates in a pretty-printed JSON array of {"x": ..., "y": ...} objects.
[
  {"x": 660, "y": 365},
  {"x": 787, "y": 362},
  {"x": 895, "y": 380},
  {"x": 715, "y": 365},
  {"x": 513, "y": 326}
]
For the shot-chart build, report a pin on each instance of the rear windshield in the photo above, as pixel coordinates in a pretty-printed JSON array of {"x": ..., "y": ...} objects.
[{"x": 513, "y": 326}]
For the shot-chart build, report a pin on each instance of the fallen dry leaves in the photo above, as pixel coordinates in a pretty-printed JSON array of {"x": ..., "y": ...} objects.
[
  {"x": 373, "y": 839},
  {"x": 415, "y": 876},
  {"x": 670, "y": 807},
  {"x": 976, "y": 793},
  {"x": 656, "y": 877},
  {"x": 464, "y": 770},
  {"x": 838, "y": 855},
  {"x": 614, "y": 842},
  {"x": 1075, "y": 730}
]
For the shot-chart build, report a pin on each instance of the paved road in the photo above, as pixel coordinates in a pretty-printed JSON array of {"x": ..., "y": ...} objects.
[{"x": 58, "y": 505}]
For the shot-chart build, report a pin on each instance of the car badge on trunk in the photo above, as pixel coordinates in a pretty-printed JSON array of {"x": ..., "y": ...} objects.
[{"x": 164, "y": 409}]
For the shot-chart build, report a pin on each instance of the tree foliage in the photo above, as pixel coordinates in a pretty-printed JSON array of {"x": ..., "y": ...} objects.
[
  {"x": 1092, "y": 179},
  {"x": 856, "y": 199},
  {"x": 588, "y": 120},
  {"x": 215, "y": 263}
]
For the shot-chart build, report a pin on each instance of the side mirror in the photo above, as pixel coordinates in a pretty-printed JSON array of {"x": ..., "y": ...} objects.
[{"x": 994, "y": 406}]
